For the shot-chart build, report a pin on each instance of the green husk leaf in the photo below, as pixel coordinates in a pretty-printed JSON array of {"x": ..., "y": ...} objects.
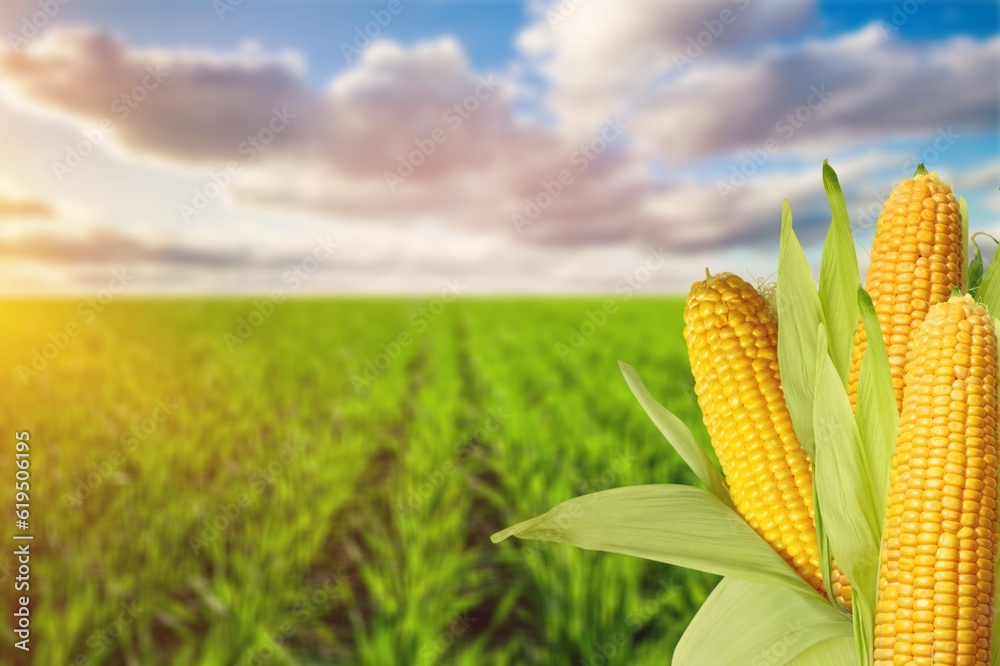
[
  {"x": 963, "y": 209},
  {"x": 675, "y": 524},
  {"x": 823, "y": 541},
  {"x": 921, "y": 170},
  {"x": 877, "y": 417},
  {"x": 863, "y": 620},
  {"x": 762, "y": 624},
  {"x": 799, "y": 313},
  {"x": 975, "y": 273},
  {"x": 989, "y": 289},
  {"x": 976, "y": 265},
  {"x": 831, "y": 652},
  {"x": 995, "y": 657},
  {"x": 839, "y": 278},
  {"x": 679, "y": 436},
  {"x": 846, "y": 493}
]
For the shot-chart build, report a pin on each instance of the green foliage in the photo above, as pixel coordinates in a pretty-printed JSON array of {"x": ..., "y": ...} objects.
[
  {"x": 849, "y": 516},
  {"x": 989, "y": 289},
  {"x": 371, "y": 544},
  {"x": 839, "y": 278},
  {"x": 877, "y": 417},
  {"x": 679, "y": 436},
  {"x": 673, "y": 524},
  {"x": 744, "y": 622},
  {"x": 799, "y": 315},
  {"x": 975, "y": 272},
  {"x": 752, "y": 614}
]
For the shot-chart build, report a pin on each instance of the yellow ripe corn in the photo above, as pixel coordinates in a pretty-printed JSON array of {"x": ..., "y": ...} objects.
[
  {"x": 841, "y": 587},
  {"x": 918, "y": 256},
  {"x": 939, "y": 544},
  {"x": 732, "y": 340}
]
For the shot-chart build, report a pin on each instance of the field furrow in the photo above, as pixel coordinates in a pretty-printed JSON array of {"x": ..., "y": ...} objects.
[{"x": 318, "y": 485}]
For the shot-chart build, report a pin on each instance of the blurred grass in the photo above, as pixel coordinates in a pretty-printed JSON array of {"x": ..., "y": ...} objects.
[{"x": 269, "y": 512}]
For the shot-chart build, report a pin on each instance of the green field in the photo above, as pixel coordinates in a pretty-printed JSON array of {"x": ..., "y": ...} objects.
[{"x": 207, "y": 492}]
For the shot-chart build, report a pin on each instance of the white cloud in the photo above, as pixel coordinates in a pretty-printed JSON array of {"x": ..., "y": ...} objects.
[
  {"x": 348, "y": 152},
  {"x": 600, "y": 57},
  {"x": 853, "y": 88}
]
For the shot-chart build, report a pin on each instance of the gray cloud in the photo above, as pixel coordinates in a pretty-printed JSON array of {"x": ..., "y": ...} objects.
[
  {"x": 195, "y": 107},
  {"x": 111, "y": 247},
  {"x": 476, "y": 166},
  {"x": 874, "y": 89}
]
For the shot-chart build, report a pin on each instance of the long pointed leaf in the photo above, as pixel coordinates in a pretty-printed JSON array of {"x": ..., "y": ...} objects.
[
  {"x": 799, "y": 315},
  {"x": 989, "y": 290},
  {"x": 863, "y": 619},
  {"x": 678, "y": 435},
  {"x": 822, "y": 538},
  {"x": 877, "y": 417},
  {"x": 762, "y": 624},
  {"x": 975, "y": 275},
  {"x": 846, "y": 494},
  {"x": 839, "y": 278},
  {"x": 823, "y": 541},
  {"x": 679, "y": 525}
]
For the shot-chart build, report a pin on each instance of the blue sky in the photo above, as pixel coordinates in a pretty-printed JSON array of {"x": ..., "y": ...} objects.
[
  {"x": 315, "y": 28},
  {"x": 905, "y": 79},
  {"x": 487, "y": 28}
]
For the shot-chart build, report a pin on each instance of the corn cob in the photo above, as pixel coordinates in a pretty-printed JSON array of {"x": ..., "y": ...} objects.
[
  {"x": 732, "y": 340},
  {"x": 918, "y": 256},
  {"x": 939, "y": 545}
]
